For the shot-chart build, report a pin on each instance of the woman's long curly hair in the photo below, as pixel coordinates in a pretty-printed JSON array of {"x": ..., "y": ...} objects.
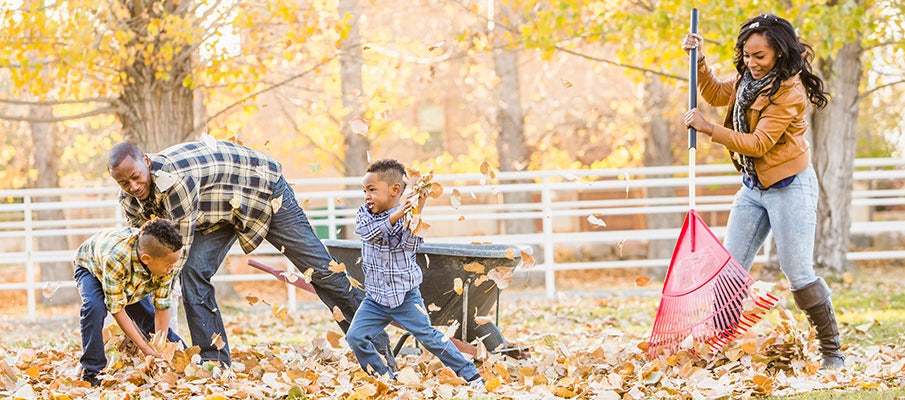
[{"x": 795, "y": 55}]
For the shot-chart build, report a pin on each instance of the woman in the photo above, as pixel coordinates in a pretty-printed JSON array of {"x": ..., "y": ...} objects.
[{"x": 764, "y": 131}]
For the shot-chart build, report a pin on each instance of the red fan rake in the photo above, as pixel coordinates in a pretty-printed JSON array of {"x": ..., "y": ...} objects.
[{"x": 707, "y": 297}]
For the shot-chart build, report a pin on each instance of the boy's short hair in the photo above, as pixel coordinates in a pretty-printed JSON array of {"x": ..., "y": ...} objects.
[
  {"x": 119, "y": 153},
  {"x": 389, "y": 170},
  {"x": 159, "y": 237}
]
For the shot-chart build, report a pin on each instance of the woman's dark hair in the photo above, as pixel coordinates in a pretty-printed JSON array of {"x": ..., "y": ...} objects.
[{"x": 794, "y": 56}]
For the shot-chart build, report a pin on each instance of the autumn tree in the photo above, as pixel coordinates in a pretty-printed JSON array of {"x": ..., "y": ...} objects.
[{"x": 841, "y": 32}]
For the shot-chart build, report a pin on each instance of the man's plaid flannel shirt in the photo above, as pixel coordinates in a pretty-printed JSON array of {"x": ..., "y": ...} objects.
[{"x": 205, "y": 185}]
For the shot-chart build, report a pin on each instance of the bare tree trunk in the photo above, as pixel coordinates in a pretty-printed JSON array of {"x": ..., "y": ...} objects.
[
  {"x": 356, "y": 144},
  {"x": 834, "y": 155},
  {"x": 658, "y": 145},
  {"x": 157, "y": 108},
  {"x": 512, "y": 151},
  {"x": 351, "y": 60},
  {"x": 46, "y": 161}
]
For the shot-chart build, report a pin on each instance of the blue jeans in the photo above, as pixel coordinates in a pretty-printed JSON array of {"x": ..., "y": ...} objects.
[
  {"x": 290, "y": 231},
  {"x": 93, "y": 312},
  {"x": 791, "y": 213},
  {"x": 372, "y": 318}
]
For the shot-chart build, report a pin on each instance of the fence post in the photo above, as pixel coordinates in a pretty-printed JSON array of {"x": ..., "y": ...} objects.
[
  {"x": 549, "y": 273},
  {"x": 29, "y": 257},
  {"x": 331, "y": 216}
]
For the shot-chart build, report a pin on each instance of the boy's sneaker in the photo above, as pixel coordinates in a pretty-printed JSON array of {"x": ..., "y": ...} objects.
[
  {"x": 477, "y": 383},
  {"x": 91, "y": 377}
]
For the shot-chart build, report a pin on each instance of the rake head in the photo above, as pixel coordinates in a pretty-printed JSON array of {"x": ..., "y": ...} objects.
[{"x": 707, "y": 296}]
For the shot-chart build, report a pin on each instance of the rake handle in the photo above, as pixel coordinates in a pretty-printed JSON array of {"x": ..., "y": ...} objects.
[{"x": 692, "y": 103}]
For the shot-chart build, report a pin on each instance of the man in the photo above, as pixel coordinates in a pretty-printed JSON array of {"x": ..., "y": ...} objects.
[{"x": 219, "y": 192}]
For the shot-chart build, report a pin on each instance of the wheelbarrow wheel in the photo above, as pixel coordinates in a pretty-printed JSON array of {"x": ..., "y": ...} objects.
[{"x": 492, "y": 337}]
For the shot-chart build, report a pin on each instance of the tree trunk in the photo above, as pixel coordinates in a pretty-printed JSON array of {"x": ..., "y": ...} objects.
[
  {"x": 157, "y": 108},
  {"x": 658, "y": 145},
  {"x": 356, "y": 144},
  {"x": 351, "y": 60},
  {"x": 46, "y": 161},
  {"x": 512, "y": 152},
  {"x": 157, "y": 114},
  {"x": 834, "y": 154}
]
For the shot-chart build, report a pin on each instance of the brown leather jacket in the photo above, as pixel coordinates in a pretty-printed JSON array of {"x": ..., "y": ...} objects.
[{"x": 777, "y": 141}]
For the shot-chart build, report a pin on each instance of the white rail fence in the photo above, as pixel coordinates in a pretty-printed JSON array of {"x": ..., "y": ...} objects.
[{"x": 559, "y": 206}]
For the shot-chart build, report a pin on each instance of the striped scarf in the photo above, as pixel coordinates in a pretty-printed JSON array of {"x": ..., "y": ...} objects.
[{"x": 747, "y": 91}]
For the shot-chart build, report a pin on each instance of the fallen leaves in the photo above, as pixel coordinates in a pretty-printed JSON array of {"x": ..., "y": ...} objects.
[{"x": 578, "y": 349}]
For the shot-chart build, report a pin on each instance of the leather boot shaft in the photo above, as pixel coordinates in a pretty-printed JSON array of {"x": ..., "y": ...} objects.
[{"x": 814, "y": 300}]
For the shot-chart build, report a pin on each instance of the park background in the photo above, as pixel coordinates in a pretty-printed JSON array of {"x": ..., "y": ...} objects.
[{"x": 327, "y": 86}]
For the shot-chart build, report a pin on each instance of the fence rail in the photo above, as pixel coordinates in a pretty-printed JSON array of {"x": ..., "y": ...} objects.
[{"x": 559, "y": 205}]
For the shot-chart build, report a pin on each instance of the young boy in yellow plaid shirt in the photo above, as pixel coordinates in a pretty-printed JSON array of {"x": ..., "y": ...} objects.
[{"x": 120, "y": 271}]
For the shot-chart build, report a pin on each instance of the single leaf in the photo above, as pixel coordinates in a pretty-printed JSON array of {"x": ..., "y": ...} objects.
[
  {"x": 217, "y": 341},
  {"x": 594, "y": 220},
  {"x": 276, "y": 203},
  {"x": 527, "y": 261},
  {"x": 359, "y": 126},
  {"x": 338, "y": 314},
  {"x": 510, "y": 253},
  {"x": 334, "y": 337},
  {"x": 455, "y": 199},
  {"x": 474, "y": 267},
  {"x": 336, "y": 267},
  {"x": 502, "y": 276},
  {"x": 236, "y": 202}
]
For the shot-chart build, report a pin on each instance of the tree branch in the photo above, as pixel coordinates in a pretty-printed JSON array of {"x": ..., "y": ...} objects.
[
  {"x": 574, "y": 53},
  {"x": 871, "y": 91},
  {"x": 619, "y": 64},
  {"x": 58, "y": 102},
  {"x": 239, "y": 102},
  {"x": 295, "y": 126},
  {"x": 97, "y": 111}
]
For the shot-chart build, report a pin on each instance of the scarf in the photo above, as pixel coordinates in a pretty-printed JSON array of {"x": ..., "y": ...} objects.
[{"x": 747, "y": 91}]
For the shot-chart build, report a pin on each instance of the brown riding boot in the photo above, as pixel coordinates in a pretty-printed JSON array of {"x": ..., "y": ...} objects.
[{"x": 814, "y": 299}]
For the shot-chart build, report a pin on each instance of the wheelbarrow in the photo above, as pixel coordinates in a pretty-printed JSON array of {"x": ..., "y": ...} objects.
[{"x": 441, "y": 264}]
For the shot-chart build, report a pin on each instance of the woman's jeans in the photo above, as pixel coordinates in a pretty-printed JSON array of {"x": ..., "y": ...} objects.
[
  {"x": 93, "y": 312},
  {"x": 290, "y": 232},
  {"x": 791, "y": 213},
  {"x": 372, "y": 318}
]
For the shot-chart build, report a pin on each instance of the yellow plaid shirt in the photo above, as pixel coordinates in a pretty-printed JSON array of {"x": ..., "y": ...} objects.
[{"x": 112, "y": 257}]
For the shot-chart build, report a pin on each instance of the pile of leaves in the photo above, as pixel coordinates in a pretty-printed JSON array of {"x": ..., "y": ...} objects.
[{"x": 576, "y": 348}]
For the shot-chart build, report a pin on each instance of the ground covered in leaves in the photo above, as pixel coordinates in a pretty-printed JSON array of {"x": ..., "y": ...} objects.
[{"x": 579, "y": 345}]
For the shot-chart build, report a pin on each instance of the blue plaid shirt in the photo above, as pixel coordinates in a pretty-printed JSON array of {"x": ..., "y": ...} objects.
[
  {"x": 387, "y": 257},
  {"x": 204, "y": 187}
]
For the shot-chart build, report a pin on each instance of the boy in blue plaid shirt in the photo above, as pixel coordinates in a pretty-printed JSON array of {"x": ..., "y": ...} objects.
[
  {"x": 392, "y": 276},
  {"x": 119, "y": 271}
]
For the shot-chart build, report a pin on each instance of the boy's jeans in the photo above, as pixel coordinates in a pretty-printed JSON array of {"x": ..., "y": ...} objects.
[
  {"x": 93, "y": 312},
  {"x": 372, "y": 318}
]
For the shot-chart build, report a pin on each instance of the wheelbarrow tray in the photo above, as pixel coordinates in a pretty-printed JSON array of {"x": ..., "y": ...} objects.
[{"x": 441, "y": 264}]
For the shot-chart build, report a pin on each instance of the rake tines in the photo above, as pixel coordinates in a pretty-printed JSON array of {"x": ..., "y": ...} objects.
[{"x": 707, "y": 296}]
